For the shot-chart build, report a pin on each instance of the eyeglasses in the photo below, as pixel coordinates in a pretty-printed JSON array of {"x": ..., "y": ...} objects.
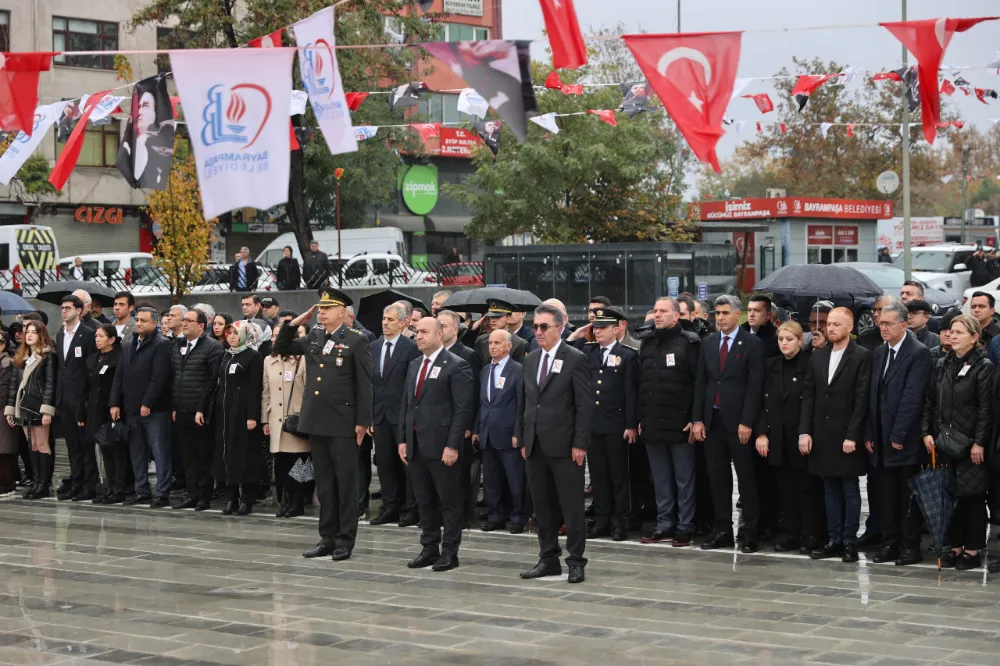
[
  {"x": 877, "y": 311},
  {"x": 191, "y": 321},
  {"x": 887, "y": 324},
  {"x": 541, "y": 327},
  {"x": 67, "y": 307}
]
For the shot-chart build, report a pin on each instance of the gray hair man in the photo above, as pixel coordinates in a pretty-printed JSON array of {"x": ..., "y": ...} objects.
[
  {"x": 87, "y": 319},
  {"x": 438, "y": 301}
]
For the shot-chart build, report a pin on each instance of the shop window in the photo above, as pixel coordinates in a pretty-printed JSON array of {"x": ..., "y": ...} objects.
[{"x": 70, "y": 34}]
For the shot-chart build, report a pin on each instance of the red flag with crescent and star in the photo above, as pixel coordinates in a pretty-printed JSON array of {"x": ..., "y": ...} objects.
[
  {"x": 927, "y": 41},
  {"x": 693, "y": 75},
  {"x": 568, "y": 49}
]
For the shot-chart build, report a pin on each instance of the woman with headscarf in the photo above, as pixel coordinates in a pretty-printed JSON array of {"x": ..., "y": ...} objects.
[
  {"x": 284, "y": 384},
  {"x": 239, "y": 459}
]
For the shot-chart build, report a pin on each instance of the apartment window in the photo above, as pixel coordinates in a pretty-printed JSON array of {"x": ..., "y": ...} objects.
[
  {"x": 84, "y": 35},
  {"x": 443, "y": 108},
  {"x": 100, "y": 146},
  {"x": 4, "y": 30},
  {"x": 460, "y": 32}
]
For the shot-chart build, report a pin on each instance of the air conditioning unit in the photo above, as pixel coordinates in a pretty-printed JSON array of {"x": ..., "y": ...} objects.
[{"x": 775, "y": 193}]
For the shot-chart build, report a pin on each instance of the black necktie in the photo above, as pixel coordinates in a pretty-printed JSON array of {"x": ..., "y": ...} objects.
[
  {"x": 385, "y": 361},
  {"x": 892, "y": 357}
]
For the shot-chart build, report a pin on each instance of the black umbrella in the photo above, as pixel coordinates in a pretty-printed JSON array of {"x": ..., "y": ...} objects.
[
  {"x": 477, "y": 300},
  {"x": 933, "y": 490},
  {"x": 53, "y": 292},
  {"x": 819, "y": 281},
  {"x": 11, "y": 304},
  {"x": 370, "y": 307}
]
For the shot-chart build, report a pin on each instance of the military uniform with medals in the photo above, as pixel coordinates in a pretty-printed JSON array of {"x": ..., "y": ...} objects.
[
  {"x": 615, "y": 376},
  {"x": 337, "y": 397}
]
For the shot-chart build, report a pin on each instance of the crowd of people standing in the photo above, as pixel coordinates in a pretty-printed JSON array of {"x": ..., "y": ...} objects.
[{"x": 227, "y": 406}]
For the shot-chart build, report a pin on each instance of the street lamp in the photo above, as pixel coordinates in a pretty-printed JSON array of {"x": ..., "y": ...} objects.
[{"x": 338, "y": 172}]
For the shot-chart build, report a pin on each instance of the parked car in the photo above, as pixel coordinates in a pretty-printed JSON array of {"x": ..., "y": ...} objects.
[
  {"x": 943, "y": 266},
  {"x": 116, "y": 270},
  {"x": 154, "y": 282},
  {"x": 990, "y": 288},
  {"x": 463, "y": 274},
  {"x": 367, "y": 269}
]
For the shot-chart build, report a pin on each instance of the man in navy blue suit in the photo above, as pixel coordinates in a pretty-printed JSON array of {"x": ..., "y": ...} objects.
[{"x": 504, "y": 479}]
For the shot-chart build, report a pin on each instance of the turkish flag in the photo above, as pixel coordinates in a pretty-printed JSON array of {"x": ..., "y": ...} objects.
[
  {"x": 354, "y": 99},
  {"x": 607, "y": 116},
  {"x": 887, "y": 76},
  {"x": 693, "y": 75},
  {"x": 19, "y": 89},
  {"x": 428, "y": 131},
  {"x": 983, "y": 93},
  {"x": 568, "y": 49},
  {"x": 272, "y": 41},
  {"x": 806, "y": 84},
  {"x": 763, "y": 102},
  {"x": 71, "y": 151},
  {"x": 947, "y": 88},
  {"x": 572, "y": 89},
  {"x": 927, "y": 41},
  {"x": 553, "y": 81}
]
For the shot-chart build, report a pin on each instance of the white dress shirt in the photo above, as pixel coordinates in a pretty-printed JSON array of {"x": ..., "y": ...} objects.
[
  {"x": 893, "y": 353},
  {"x": 552, "y": 357},
  {"x": 490, "y": 386},
  {"x": 604, "y": 353},
  {"x": 727, "y": 340},
  {"x": 68, "y": 339},
  {"x": 431, "y": 358},
  {"x": 386, "y": 351}
]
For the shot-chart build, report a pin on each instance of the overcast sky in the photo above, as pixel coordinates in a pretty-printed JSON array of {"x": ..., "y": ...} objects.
[{"x": 763, "y": 54}]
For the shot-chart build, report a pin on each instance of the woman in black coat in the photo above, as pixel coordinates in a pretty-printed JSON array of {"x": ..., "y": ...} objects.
[
  {"x": 31, "y": 401},
  {"x": 96, "y": 412},
  {"x": 239, "y": 456},
  {"x": 803, "y": 519},
  {"x": 961, "y": 395},
  {"x": 289, "y": 276}
]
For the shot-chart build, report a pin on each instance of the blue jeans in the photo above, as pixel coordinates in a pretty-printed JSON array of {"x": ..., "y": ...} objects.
[
  {"x": 151, "y": 434},
  {"x": 673, "y": 468},
  {"x": 843, "y": 508}
]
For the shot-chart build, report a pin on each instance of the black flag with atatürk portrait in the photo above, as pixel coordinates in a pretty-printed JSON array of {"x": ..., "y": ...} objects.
[{"x": 147, "y": 150}]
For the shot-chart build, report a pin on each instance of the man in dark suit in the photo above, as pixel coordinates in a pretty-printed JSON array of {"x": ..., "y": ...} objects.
[
  {"x": 614, "y": 371},
  {"x": 243, "y": 273},
  {"x": 901, "y": 370},
  {"x": 391, "y": 357},
  {"x": 450, "y": 322},
  {"x": 727, "y": 397},
  {"x": 553, "y": 417},
  {"x": 74, "y": 343},
  {"x": 433, "y": 418},
  {"x": 504, "y": 480},
  {"x": 498, "y": 317}
]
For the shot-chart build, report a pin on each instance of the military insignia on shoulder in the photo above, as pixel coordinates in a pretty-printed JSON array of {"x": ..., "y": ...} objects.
[
  {"x": 354, "y": 331},
  {"x": 635, "y": 349}
]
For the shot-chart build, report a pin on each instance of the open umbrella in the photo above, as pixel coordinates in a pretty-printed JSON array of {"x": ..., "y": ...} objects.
[
  {"x": 370, "y": 307},
  {"x": 11, "y": 304},
  {"x": 831, "y": 281},
  {"x": 477, "y": 300},
  {"x": 933, "y": 490},
  {"x": 53, "y": 292}
]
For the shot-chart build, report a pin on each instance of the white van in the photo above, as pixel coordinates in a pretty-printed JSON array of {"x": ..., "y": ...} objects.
[
  {"x": 28, "y": 258},
  {"x": 116, "y": 270},
  {"x": 388, "y": 240},
  {"x": 943, "y": 267}
]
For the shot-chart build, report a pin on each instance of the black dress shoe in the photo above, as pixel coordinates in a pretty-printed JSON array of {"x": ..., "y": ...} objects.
[
  {"x": 296, "y": 507},
  {"x": 786, "y": 544},
  {"x": 749, "y": 546},
  {"x": 681, "y": 539},
  {"x": 116, "y": 498},
  {"x": 159, "y": 503},
  {"x": 831, "y": 549},
  {"x": 84, "y": 495},
  {"x": 619, "y": 534},
  {"x": 427, "y": 557},
  {"x": 68, "y": 494},
  {"x": 718, "y": 540},
  {"x": 246, "y": 508},
  {"x": 491, "y": 526},
  {"x": 202, "y": 505},
  {"x": 576, "y": 574},
  {"x": 966, "y": 562},
  {"x": 230, "y": 508},
  {"x": 589, "y": 511},
  {"x": 341, "y": 554},
  {"x": 869, "y": 539},
  {"x": 994, "y": 567},
  {"x": 283, "y": 507},
  {"x": 598, "y": 532},
  {"x": 657, "y": 536},
  {"x": 808, "y": 546},
  {"x": 948, "y": 559},
  {"x": 321, "y": 550},
  {"x": 138, "y": 499},
  {"x": 889, "y": 553},
  {"x": 188, "y": 503},
  {"x": 65, "y": 486},
  {"x": 446, "y": 562},
  {"x": 543, "y": 569},
  {"x": 409, "y": 520},
  {"x": 384, "y": 518},
  {"x": 516, "y": 528},
  {"x": 850, "y": 552},
  {"x": 908, "y": 557}
]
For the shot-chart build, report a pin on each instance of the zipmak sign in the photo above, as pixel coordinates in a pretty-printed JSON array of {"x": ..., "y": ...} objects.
[{"x": 420, "y": 189}]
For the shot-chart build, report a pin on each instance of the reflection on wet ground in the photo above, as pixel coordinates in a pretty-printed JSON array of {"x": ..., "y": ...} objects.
[{"x": 93, "y": 585}]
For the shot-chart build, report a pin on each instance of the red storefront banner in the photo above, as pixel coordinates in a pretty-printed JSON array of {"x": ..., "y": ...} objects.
[
  {"x": 453, "y": 142},
  {"x": 819, "y": 234},
  {"x": 757, "y": 209},
  {"x": 845, "y": 235}
]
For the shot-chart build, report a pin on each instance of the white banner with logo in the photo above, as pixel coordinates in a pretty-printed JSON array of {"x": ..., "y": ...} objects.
[
  {"x": 23, "y": 145},
  {"x": 237, "y": 103},
  {"x": 321, "y": 79},
  {"x": 109, "y": 104},
  {"x": 472, "y": 103}
]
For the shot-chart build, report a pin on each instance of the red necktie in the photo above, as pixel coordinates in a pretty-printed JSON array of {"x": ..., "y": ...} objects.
[
  {"x": 423, "y": 376},
  {"x": 723, "y": 354}
]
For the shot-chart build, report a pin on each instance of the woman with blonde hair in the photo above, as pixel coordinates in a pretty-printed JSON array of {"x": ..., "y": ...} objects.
[
  {"x": 284, "y": 384},
  {"x": 31, "y": 401}
]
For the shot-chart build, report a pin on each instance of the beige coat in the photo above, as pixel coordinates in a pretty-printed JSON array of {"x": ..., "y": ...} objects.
[{"x": 275, "y": 404}]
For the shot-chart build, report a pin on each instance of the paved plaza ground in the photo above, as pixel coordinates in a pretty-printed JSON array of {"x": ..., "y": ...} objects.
[{"x": 90, "y": 585}]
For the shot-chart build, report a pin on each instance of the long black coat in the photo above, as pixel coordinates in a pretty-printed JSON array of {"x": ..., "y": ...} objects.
[
  {"x": 239, "y": 453},
  {"x": 289, "y": 275},
  {"x": 895, "y": 402},
  {"x": 834, "y": 409},
  {"x": 668, "y": 365},
  {"x": 95, "y": 412},
  {"x": 779, "y": 419}
]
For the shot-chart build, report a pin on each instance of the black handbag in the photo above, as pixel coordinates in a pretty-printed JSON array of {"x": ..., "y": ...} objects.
[
  {"x": 112, "y": 435},
  {"x": 291, "y": 422},
  {"x": 31, "y": 405},
  {"x": 952, "y": 443}
]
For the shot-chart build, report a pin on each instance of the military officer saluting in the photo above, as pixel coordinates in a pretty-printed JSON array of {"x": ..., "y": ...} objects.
[
  {"x": 336, "y": 413},
  {"x": 614, "y": 369}
]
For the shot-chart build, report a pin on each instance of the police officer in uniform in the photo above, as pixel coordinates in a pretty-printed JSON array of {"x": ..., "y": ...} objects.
[
  {"x": 498, "y": 317},
  {"x": 614, "y": 370},
  {"x": 336, "y": 414}
]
